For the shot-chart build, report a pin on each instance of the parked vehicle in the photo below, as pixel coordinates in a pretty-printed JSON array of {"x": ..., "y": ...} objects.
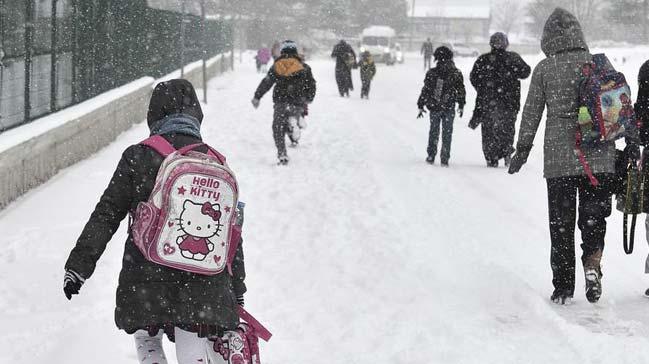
[
  {"x": 463, "y": 50},
  {"x": 379, "y": 40}
]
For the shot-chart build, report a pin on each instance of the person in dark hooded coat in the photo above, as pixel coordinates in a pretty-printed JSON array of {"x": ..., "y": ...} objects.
[
  {"x": 555, "y": 84},
  {"x": 295, "y": 88},
  {"x": 151, "y": 298},
  {"x": 496, "y": 77},
  {"x": 443, "y": 88},
  {"x": 345, "y": 61},
  {"x": 642, "y": 114}
]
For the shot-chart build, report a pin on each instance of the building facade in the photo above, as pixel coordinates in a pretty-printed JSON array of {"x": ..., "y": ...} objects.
[{"x": 467, "y": 24}]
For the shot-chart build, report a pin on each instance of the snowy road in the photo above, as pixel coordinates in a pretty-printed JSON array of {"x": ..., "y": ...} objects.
[{"x": 358, "y": 252}]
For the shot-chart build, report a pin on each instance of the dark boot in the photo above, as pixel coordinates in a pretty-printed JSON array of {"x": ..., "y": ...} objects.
[
  {"x": 593, "y": 276},
  {"x": 593, "y": 284},
  {"x": 561, "y": 297}
]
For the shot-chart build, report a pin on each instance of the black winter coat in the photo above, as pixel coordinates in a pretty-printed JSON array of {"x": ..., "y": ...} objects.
[
  {"x": 150, "y": 294},
  {"x": 368, "y": 69},
  {"x": 642, "y": 103},
  {"x": 344, "y": 55},
  {"x": 293, "y": 80},
  {"x": 496, "y": 77},
  {"x": 443, "y": 87}
]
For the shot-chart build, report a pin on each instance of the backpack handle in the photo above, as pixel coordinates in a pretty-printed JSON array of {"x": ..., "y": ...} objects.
[
  {"x": 259, "y": 329},
  {"x": 210, "y": 150}
]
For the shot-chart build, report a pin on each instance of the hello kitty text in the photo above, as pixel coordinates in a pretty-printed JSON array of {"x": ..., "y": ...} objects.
[{"x": 204, "y": 187}]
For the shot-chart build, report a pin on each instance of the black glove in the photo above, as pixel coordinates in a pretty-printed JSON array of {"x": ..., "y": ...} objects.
[
  {"x": 72, "y": 282},
  {"x": 240, "y": 300},
  {"x": 519, "y": 158},
  {"x": 255, "y": 102},
  {"x": 421, "y": 113},
  {"x": 461, "y": 111},
  {"x": 632, "y": 152}
]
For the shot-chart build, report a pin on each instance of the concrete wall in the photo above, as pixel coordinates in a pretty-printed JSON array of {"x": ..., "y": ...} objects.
[{"x": 33, "y": 153}]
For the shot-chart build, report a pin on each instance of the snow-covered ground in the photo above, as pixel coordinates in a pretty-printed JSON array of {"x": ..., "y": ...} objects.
[{"x": 358, "y": 252}]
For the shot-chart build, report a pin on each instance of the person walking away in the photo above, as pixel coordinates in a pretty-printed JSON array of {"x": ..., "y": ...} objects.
[
  {"x": 427, "y": 52},
  {"x": 276, "y": 50},
  {"x": 642, "y": 114},
  {"x": 345, "y": 61},
  {"x": 555, "y": 84},
  {"x": 153, "y": 299},
  {"x": 262, "y": 58},
  {"x": 496, "y": 77},
  {"x": 443, "y": 88},
  {"x": 295, "y": 88},
  {"x": 368, "y": 70}
]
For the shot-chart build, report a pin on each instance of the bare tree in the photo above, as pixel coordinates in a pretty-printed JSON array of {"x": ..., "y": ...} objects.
[{"x": 507, "y": 15}]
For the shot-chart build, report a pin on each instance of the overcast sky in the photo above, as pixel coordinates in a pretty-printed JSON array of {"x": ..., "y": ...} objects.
[{"x": 453, "y": 2}]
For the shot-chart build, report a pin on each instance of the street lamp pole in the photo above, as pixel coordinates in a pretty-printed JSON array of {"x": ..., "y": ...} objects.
[
  {"x": 412, "y": 24},
  {"x": 204, "y": 42},
  {"x": 182, "y": 39}
]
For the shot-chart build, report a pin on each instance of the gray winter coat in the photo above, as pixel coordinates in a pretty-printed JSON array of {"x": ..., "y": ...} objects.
[{"x": 555, "y": 83}]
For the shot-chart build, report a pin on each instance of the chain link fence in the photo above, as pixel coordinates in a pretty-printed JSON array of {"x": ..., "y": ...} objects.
[{"x": 56, "y": 53}]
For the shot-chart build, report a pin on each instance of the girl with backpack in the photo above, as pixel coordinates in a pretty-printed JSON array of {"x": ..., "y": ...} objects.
[
  {"x": 572, "y": 188},
  {"x": 153, "y": 299}
]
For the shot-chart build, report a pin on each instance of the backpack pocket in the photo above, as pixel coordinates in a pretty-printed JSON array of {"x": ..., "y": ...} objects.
[{"x": 143, "y": 227}]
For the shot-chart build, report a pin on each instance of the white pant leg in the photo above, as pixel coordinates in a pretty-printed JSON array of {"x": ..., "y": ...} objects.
[
  {"x": 149, "y": 348},
  {"x": 190, "y": 349}
]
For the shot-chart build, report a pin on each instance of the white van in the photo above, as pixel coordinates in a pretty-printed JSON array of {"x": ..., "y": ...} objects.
[{"x": 380, "y": 42}]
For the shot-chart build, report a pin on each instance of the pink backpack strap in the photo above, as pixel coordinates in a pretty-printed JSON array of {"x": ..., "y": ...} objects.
[
  {"x": 210, "y": 150},
  {"x": 159, "y": 144},
  {"x": 235, "y": 240},
  {"x": 259, "y": 329},
  {"x": 582, "y": 160}
]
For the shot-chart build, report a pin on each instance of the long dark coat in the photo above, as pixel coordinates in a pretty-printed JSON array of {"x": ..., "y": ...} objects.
[
  {"x": 642, "y": 103},
  {"x": 345, "y": 59},
  {"x": 496, "y": 77},
  {"x": 149, "y": 294}
]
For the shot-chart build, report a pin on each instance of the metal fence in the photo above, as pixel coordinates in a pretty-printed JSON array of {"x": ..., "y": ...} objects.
[{"x": 56, "y": 53}]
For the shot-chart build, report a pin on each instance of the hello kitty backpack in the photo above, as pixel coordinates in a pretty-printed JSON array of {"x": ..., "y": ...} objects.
[{"x": 189, "y": 221}]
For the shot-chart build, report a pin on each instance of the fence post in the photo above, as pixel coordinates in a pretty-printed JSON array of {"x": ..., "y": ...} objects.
[
  {"x": 53, "y": 80},
  {"x": 182, "y": 39},
  {"x": 204, "y": 43},
  {"x": 2, "y": 55},
  {"x": 29, "y": 44}
]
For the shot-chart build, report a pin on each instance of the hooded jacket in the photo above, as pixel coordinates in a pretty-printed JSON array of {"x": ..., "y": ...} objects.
[
  {"x": 293, "y": 80},
  {"x": 149, "y": 294},
  {"x": 642, "y": 103},
  {"x": 555, "y": 82},
  {"x": 496, "y": 77},
  {"x": 443, "y": 88}
]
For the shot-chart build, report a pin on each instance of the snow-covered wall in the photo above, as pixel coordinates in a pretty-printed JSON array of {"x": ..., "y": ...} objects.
[{"x": 33, "y": 153}]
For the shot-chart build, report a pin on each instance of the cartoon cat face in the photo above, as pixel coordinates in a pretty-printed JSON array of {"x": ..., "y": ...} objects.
[{"x": 200, "y": 220}]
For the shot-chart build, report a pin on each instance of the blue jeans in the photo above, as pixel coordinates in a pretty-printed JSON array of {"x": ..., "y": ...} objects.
[{"x": 445, "y": 118}]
